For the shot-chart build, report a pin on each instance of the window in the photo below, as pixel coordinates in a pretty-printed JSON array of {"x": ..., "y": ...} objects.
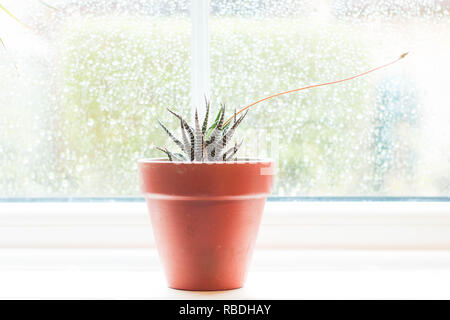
[{"x": 84, "y": 81}]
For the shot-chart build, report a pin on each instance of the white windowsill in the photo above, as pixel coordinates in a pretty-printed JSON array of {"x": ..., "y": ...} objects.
[
  {"x": 274, "y": 274},
  {"x": 106, "y": 250},
  {"x": 285, "y": 225}
]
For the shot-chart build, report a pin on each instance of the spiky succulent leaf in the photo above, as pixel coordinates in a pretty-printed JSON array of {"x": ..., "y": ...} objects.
[
  {"x": 219, "y": 125},
  {"x": 204, "y": 152},
  {"x": 225, "y": 128},
  {"x": 192, "y": 138},
  {"x": 218, "y": 130},
  {"x": 211, "y": 155},
  {"x": 205, "y": 121},
  {"x": 169, "y": 154},
  {"x": 173, "y": 156},
  {"x": 228, "y": 125},
  {"x": 201, "y": 143},
  {"x": 189, "y": 130},
  {"x": 217, "y": 143},
  {"x": 229, "y": 134},
  {"x": 216, "y": 126},
  {"x": 177, "y": 142},
  {"x": 179, "y": 156},
  {"x": 223, "y": 146},
  {"x": 220, "y": 142},
  {"x": 198, "y": 142},
  {"x": 230, "y": 153},
  {"x": 186, "y": 125},
  {"x": 187, "y": 144}
]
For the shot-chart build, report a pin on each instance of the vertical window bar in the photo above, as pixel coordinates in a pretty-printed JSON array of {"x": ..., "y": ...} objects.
[{"x": 200, "y": 54}]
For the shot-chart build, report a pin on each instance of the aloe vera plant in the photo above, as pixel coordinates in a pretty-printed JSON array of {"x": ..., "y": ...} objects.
[{"x": 207, "y": 143}]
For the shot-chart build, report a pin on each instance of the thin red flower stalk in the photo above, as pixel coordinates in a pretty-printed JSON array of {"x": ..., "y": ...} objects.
[{"x": 317, "y": 85}]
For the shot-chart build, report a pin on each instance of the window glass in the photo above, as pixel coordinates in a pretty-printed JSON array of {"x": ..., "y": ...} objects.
[
  {"x": 384, "y": 134},
  {"x": 82, "y": 83}
]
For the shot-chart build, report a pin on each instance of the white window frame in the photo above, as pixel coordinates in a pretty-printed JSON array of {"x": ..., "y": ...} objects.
[
  {"x": 285, "y": 225},
  {"x": 200, "y": 69}
]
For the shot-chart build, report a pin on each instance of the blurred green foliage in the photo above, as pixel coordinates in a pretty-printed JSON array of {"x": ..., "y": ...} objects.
[
  {"x": 120, "y": 74},
  {"x": 321, "y": 132}
]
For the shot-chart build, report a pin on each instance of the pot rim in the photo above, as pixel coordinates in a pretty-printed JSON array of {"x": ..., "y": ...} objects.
[{"x": 239, "y": 161}]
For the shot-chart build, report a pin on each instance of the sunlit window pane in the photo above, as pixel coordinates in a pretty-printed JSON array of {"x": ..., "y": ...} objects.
[
  {"x": 385, "y": 134},
  {"x": 84, "y": 81},
  {"x": 81, "y": 89}
]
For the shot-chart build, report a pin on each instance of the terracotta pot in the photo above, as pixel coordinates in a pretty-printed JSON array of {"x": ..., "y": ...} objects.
[{"x": 205, "y": 218}]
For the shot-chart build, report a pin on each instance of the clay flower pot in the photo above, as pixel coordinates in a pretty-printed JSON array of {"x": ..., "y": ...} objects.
[{"x": 205, "y": 218}]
